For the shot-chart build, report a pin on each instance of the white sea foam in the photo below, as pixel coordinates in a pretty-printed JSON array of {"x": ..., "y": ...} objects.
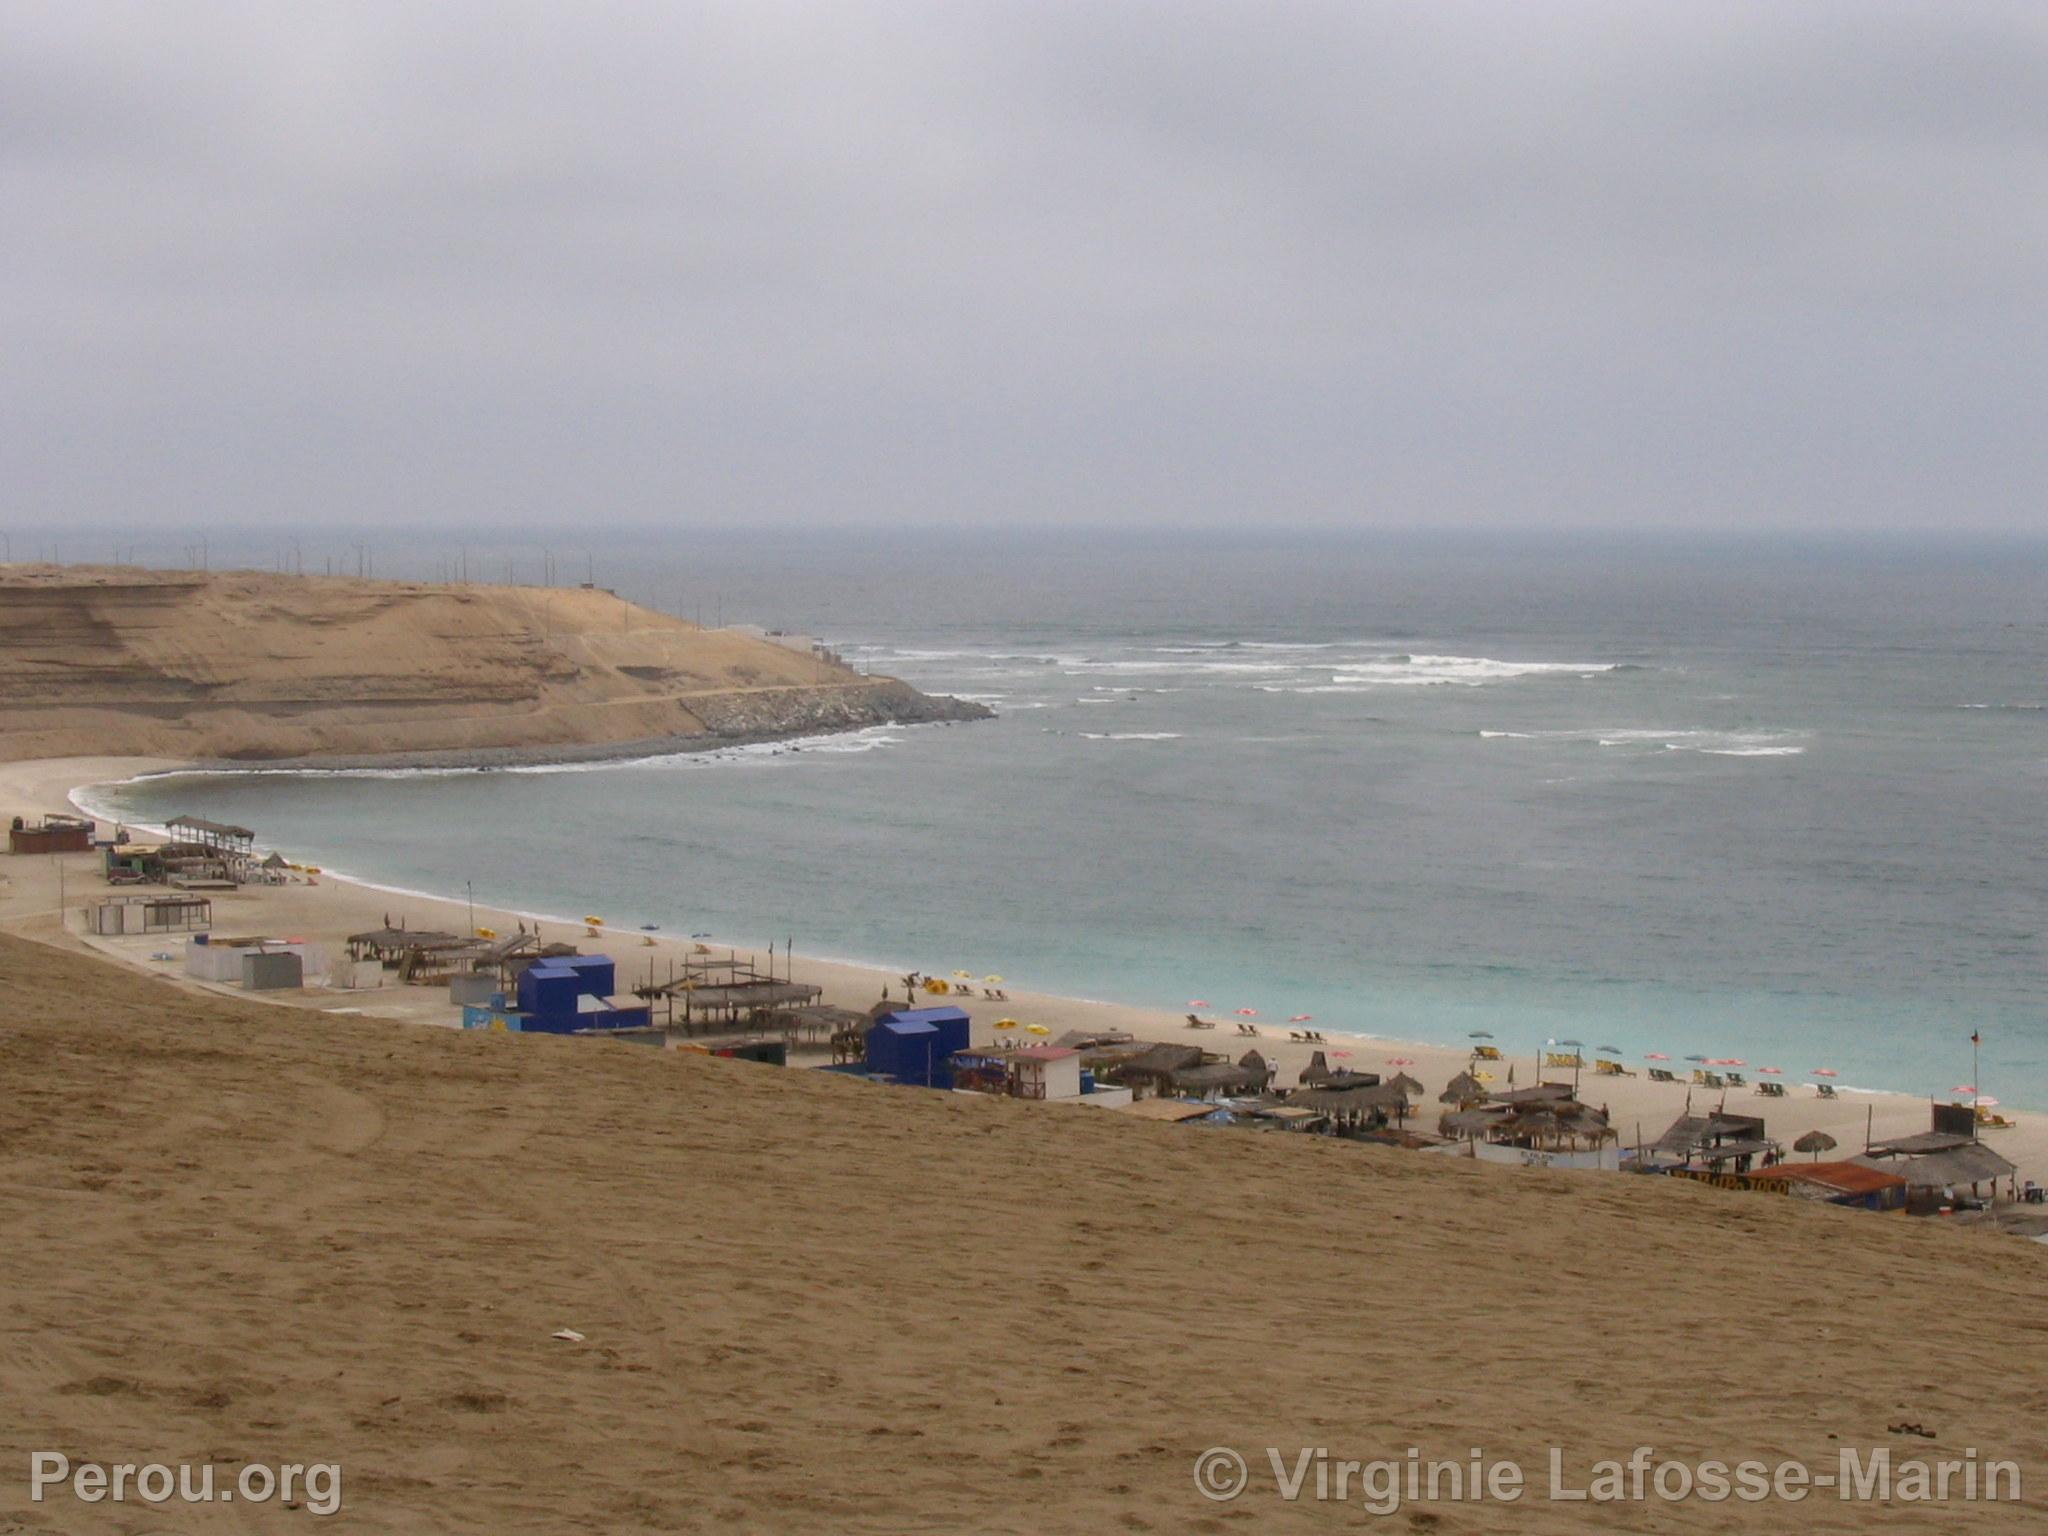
[{"x": 1130, "y": 735}]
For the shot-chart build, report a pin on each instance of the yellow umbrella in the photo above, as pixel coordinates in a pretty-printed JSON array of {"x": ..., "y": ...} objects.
[
  {"x": 1006, "y": 1023},
  {"x": 994, "y": 981},
  {"x": 487, "y": 933},
  {"x": 595, "y": 922},
  {"x": 964, "y": 975},
  {"x": 1036, "y": 1029},
  {"x": 1482, "y": 1077},
  {"x": 937, "y": 986}
]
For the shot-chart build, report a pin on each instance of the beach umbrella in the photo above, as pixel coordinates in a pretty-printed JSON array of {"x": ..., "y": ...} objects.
[
  {"x": 1964, "y": 1088},
  {"x": 1247, "y": 1013},
  {"x": 963, "y": 975},
  {"x": 1400, "y": 1061},
  {"x": 1487, "y": 1077},
  {"x": 1036, "y": 1029},
  {"x": 1825, "y": 1072},
  {"x": 1815, "y": 1142},
  {"x": 1340, "y": 1053},
  {"x": 1727, "y": 1061},
  {"x": 1406, "y": 1084},
  {"x": 1773, "y": 1071},
  {"x": 1656, "y": 1056},
  {"x": 1577, "y": 1045},
  {"x": 1480, "y": 1034},
  {"x": 1198, "y": 1002},
  {"x": 1006, "y": 1024},
  {"x": 1985, "y": 1101},
  {"x": 1700, "y": 1059},
  {"x": 1300, "y": 1018},
  {"x": 994, "y": 981},
  {"x": 1612, "y": 1050}
]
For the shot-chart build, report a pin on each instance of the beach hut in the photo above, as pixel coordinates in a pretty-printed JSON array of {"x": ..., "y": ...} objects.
[
  {"x": 1045, "y": 1072},
  {"x": 1843, "y": 1183},
  {"x": 1712, "y": 1142},
  {"x": 52, "y": 834},
  {"x": 1936, "y": 1164},
  {"x": 916, "y": 1045},
  {"x": 1150, "y": 1069}
]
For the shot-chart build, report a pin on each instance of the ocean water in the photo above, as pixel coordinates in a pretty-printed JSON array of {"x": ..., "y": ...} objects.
[{"x": 1779, "y": 802}]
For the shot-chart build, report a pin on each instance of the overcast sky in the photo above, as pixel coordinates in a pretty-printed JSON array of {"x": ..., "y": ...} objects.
[{"x": 1650, "y": 264}]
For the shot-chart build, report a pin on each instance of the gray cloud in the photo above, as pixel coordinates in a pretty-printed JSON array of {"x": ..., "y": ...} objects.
[{"x": 1186, "y": 262}]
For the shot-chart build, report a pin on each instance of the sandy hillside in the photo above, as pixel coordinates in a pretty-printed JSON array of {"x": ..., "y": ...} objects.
[
  {"x": 253, "y": 665},
  {"x": 244, "y": 1234}
]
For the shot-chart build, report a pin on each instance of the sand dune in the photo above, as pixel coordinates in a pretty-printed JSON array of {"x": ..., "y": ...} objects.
[
  {"x": 252, "y": 665},
  {"x": 244, "y": 1233}
]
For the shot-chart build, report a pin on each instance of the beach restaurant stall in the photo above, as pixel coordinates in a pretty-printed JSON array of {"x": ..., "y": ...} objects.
[
  {"x": 1841, "y": 1183},
  {"x": 916, "y": 1045},
  {"x": 113, "y": 916},
  {"x": 53, "y": 834},
  {"x": 1935, "y": 1165}
]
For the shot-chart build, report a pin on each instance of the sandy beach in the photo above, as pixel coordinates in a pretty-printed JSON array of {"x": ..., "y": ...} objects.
[
  {"x": 329, "y": 910},
  {"x": 801, "y": 1302}
]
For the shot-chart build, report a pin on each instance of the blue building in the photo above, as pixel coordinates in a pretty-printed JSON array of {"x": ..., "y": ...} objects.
[
  {"x": 916, "y": 1045},
  {"x": 562, "y": 995}
]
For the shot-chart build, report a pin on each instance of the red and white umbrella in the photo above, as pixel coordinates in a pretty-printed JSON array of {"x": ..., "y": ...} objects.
[
  {"x": 1400, "y": 1061},
  {"x": 1247, "y": 1013},
  {"x": 1198, "y": 1002},
  {"x": 1774, "y": 1071},
  {"x": 1340, "y": 1053},
  {"x": 1299, "y": 1018},
  {"x": 1964, "y": 1088},
  {"x": 1985, "y": 1101},
  {"x": 1825, "y": 1072},
  {"x": 1656, "y": 1056},
  {"x": 1727, "y": 1061}
]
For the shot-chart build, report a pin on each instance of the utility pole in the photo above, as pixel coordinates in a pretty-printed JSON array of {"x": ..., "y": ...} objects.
[{"x": 471, "y": 889}]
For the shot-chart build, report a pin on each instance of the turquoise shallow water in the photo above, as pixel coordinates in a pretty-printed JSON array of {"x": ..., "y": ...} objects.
[{"x": 1779, "y": 803}]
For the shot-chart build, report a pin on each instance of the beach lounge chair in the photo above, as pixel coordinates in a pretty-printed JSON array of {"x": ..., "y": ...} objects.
[
  {"x": 1486, "y": 1053},
  {"x": 1827, "y": 1090},
  {"x": 1737, "y": 1080},
  {"x": 1195, "y": 1023},
  {"x": 1662, "y": 1075},
  {"x": 1771, "y": 1090}
]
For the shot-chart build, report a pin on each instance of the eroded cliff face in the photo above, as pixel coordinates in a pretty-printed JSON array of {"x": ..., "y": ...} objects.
[{"x": 254, "y": 666}]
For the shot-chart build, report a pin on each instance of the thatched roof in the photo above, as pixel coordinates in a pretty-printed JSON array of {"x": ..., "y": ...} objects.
[
  {"x": 1163, "y": 1058},
  {"x": 1463, "y": 1089},
  {"x": 1468, "y": 1122},
  {"x": 1216, "y": 1075},
  {"x": 1815, "y": 1141},
  {"x": 1349, "y": 1101},
  {"x": 1406, "y": 1084},
  {"x": 1970, "y": 1163}
]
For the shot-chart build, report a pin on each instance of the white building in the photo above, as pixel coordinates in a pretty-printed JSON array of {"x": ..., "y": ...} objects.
[{"x": 1046, "y": 1072}]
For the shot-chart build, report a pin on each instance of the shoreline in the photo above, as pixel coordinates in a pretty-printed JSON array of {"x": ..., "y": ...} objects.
[{"x": 343, "y": 902}]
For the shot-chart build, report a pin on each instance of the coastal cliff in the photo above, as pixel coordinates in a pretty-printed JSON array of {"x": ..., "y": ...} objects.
[{"x": 258, "y": 667}]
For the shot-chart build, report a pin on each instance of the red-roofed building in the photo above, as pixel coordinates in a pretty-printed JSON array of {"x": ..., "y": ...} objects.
[{"x": 1854, "y": 1184}]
